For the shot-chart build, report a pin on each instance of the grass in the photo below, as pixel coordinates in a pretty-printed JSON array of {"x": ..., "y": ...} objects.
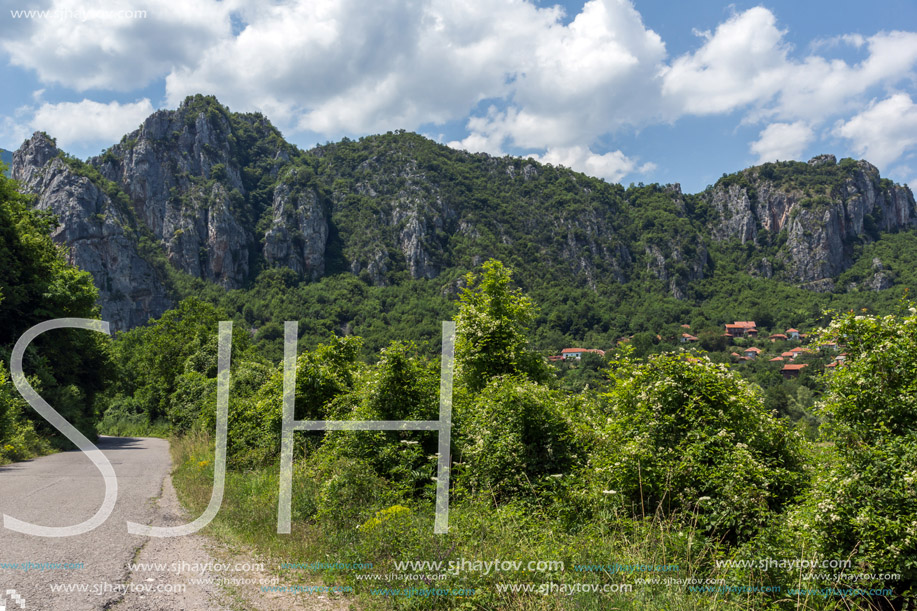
[{"x": 380, "y": 529}]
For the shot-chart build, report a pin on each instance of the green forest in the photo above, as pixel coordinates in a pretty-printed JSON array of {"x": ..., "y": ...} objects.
[{"x": 659, "y": 453}]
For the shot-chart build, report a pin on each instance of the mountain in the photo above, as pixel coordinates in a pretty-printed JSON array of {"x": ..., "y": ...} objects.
[
  {"x": 201, "y": 194},
  {"x": 7, "y": 158}
]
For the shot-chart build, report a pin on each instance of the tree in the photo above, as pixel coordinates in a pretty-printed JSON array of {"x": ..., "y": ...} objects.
[
  {"x": 492, "y": 329},
  {"x": 36, "y": 285}
]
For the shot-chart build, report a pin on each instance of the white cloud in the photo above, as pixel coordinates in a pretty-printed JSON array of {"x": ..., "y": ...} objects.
[
  {"x": 611, "y": 166},
  {"x": 782, "y": 141},
  {"x": 746, "y": 64},
  {"x": 347, "y": 66},
  {"x": 79, "y": 123},
  {"x": 12, "y": 132},
  {"x": 740, "y": 63},
  {"x": 884, "y": 131},
  {"x": 351, "y": 67},
  {"x": 85, "y": 44}
]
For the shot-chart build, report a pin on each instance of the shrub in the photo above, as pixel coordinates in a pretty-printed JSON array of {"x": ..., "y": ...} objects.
[
  {"x": 322, "y": 375},
  {"x": 399, "y": 387},
  {"x": 865, "y": 505},
  {"x": 684, "y": 436},
  {"x": 512, "y": 437},
  {"x": 18, "y": 439}
]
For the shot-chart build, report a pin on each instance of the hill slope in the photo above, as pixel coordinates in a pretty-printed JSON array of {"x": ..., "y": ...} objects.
[{"x": 200, "y": 197}]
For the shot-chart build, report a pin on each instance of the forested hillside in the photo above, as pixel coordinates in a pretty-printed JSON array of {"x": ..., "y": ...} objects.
[
  {"x": 372, "y": 237},
  {"x": 674, "y": 448}
]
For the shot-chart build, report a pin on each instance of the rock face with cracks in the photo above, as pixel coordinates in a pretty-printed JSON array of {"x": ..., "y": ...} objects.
[
  {"x": 819, "y": 222},
  {"x": 219, "y": 196}
]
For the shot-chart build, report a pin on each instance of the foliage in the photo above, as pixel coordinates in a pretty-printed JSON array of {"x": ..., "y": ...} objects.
[
  {"x": 18, "y": 439},
  {"x": 865, "y": 506},
  {"x": 37, "y": 284},
  {"x": 400, "y": 386},
  {"x": 491, "y": 330},
  {"x": 512, "y": 437},
  {"x": 685, "y": 436}
]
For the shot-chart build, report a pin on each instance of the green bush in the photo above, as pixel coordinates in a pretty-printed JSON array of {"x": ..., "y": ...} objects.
[
  {"x": 512, "y": 437},
  {"x": 865, "y": 504},
  {"x": 492, "y": 330},
  {"x": 322, "y": 375},
  {"x": 684, "y": 436},
  {"x": 399, "y": 387},
  {"x": 18, "y": 439}
]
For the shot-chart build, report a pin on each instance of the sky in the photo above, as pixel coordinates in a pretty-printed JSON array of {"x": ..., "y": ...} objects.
[{"x": 629, "y": 91}]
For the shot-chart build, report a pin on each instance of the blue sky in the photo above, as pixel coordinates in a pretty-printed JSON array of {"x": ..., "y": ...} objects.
[{"x": 641, "y": 91}]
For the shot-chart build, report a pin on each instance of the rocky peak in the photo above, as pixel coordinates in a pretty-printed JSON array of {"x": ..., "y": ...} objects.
[
  {"x": 823, "y": 208},
  {"x": 819, "y": 160},
  {"x": 98, "y": 233},
  {"x": 32, "y": 156}
]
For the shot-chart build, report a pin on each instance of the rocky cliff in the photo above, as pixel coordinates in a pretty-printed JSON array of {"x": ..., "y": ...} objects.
[
  {"x": 814, "y": 214},
  {"x": 97, "y": 234},
  {"x": 221, "y": 197}
]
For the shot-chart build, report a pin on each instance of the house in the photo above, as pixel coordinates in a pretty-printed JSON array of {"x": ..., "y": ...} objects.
[
  {"x": 686, "y": 326},
  {"x": 776, "y": 358},
  {"x": 555, "y": 358},
  {"x": 742, "y": 328},
  {"x": 777, "y": 336},
  {"x": 829, "y": 346},
  {"x": 789, "y": 355},
  {"x": 791, "y": 371},
  {"x": 752, "y": 352},
  {"x": 793, "y": 333},
  {"x": 687, "y": 337},
  {"x": 577, "y": 353}
]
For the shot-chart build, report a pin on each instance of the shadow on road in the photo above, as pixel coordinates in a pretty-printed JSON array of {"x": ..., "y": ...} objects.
[{"x": 103, "y": 443}]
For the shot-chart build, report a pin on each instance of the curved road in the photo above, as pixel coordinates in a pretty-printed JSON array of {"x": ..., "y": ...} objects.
[{"x": 65, "y": 489}]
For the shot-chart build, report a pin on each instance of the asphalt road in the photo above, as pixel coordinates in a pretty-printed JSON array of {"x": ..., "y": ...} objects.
[{"x": 66, "y": 489}]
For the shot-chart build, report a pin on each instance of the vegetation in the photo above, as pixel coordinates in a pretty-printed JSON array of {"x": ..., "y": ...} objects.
[
  {"x": 670, "y": 458},
  {"x": 661, "y": 452},
  {"x": 67, "y": 367}
]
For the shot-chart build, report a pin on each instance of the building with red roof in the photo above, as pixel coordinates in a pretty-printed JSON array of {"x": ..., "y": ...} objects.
[{"x": 791, "y": 371}]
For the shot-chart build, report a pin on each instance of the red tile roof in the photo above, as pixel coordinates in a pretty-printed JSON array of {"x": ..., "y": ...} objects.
[
  {"x": 777, "y": 358},
  {"x": 789, "y": 367}
]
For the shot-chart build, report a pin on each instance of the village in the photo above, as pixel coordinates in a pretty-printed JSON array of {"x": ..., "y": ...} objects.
[{"x": 747, "y": 343}]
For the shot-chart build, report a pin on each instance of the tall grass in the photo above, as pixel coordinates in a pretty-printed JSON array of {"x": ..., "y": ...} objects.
[{"x": 377, "y": 530}]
